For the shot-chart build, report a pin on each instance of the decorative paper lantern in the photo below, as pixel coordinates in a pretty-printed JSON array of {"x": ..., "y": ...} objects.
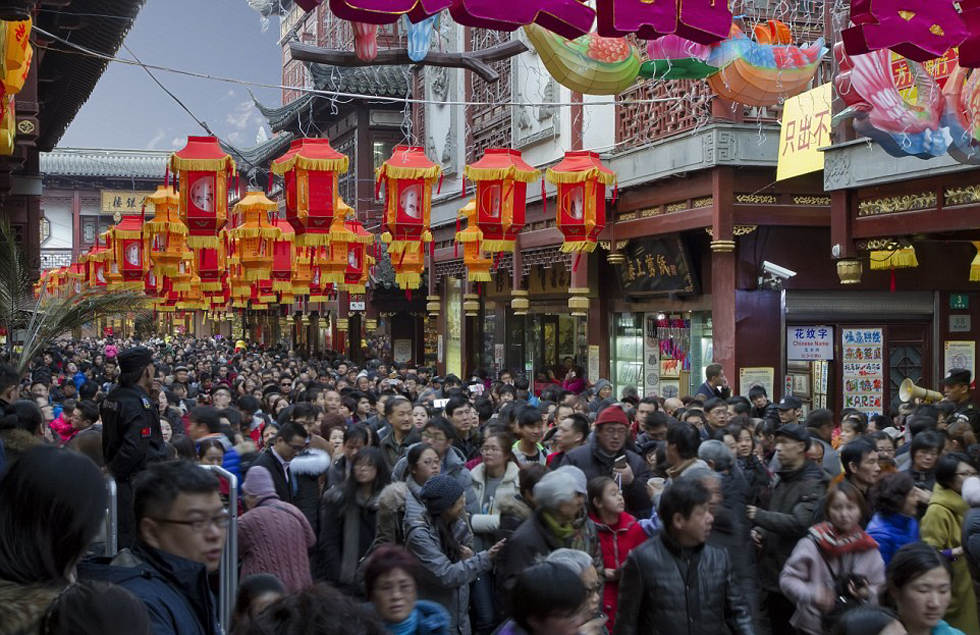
[
  {"x": 501, "y": 178},
  {"x": 211, "y": 268},
  {"x": 8, "y": 125},
  {"x": 14, "y": 78},
  {"x": 897, "y": 258},
  {"x": 320, "y": 267},
  {"x": 303, "y": 275},
  {"x": 16, "y": 43},
  {"x": 581, "y": 179},
  {"x": 193, "y": 298},
  {"x": 408, "y": 267},
  {"x": 673, "y": 57},
  {"x": 254, "y": 237},
  {"x": 76, "y": 277},
  {"x": 567, "y": 19},
  {"x": 703, "y": 21},
  {"x": 129, "y": 254},
  {"x": 165, "y": 234},
  {"x": 283, "y": 256},
  {"x": 182, "y": 279},
  {"x": 203, "y": 170},
  {"x": 408, "y": 177},
  {"x": 95, "y": 261},
  {"x": 477, "y": 266},
  {"x": 358, "y": 261},
  {"x": 309, "y": 169},
  {"x": 348, "y": 263},
  {"x": 591, "y": 64},
  {"x": 365, "y": 41},
  {"x": 419, "y": 37},
  {"x": 975, "y": 264}
]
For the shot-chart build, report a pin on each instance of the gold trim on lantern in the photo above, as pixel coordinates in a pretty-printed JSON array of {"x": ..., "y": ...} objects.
[
  {"x": 897, "y": 259},
  {"x": 403, "y": 173},
  {"x": 500, "y": 174},
  {"x": 580, "y": 177},
  {"x": 305, "y": 163}
]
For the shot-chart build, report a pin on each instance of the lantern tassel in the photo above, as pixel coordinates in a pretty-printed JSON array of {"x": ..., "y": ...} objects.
[
  {"x": 462, "y": 190},
  {"x": 578, "y": 257},
  {"x": 166, "y": 175},
  {"x": 439, "y": 188},
  {"x": 615, "y": 192},
  {"x": 891, "y": 284},
  {"x": 544, "y": 198},
  {"x": 456, "y": 242}
]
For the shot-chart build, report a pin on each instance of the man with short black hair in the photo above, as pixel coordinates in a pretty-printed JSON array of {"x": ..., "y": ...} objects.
[
  {"x": 398, "y": 412},
  {"x": 716, "y": 384},
  {"x": 674, "y": 582},
  {"x": 467, "y": 439},
  {"x": 183, "y": 526},
  {"x": 820, "y": 425},
  {"x": 790, "y": 410},
  {"x": 717, "y": 415},
  {"x": 683, "y": 441},
  {"x": 570, "y": 433},
  {"x": 291, "y": 439}
]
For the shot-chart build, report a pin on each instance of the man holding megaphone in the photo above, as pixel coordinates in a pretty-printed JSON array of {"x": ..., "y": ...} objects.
[{"x": 956, "y": 388}]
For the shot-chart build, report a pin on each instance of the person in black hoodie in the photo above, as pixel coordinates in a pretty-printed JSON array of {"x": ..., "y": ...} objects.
[{"x": 182, "y": 527}]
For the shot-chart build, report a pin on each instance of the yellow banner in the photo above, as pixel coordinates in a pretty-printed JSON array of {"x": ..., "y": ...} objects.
[
  {"x": 124, "y": 201},
  {"x": 806, "y": 127}
]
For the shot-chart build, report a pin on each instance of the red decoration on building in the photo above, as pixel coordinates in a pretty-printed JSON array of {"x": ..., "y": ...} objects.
[
  {"x": 917, "y": 29},
  {"x": 581, "y": 179},
  {"x": 501, "y": 178},
  {"x": 310, "y": 168}
]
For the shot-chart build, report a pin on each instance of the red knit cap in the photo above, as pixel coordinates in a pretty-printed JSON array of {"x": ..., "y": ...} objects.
[{"x": 612, "y": 414}]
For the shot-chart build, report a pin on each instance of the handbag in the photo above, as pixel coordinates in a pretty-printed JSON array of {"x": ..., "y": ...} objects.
[{"x": 844, "y": 600}]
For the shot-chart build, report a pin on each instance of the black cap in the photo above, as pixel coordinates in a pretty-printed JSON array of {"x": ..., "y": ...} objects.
[
  {"x": 270, "y": 390},
  {"x": 957, "y": 376},
  {"x": 796, "y": 432},
  {"x": 134, "y": 359},
  {"x": 789, "y": 403}
]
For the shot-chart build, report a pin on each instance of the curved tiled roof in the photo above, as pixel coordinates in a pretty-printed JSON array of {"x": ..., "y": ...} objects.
[
  {"x": 140, "y": 164},
  {"x": 257, "y": 158}
]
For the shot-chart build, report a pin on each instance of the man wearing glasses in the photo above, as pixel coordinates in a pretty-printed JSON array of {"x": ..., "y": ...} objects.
[
  {"x": 291, "y": 439},
  {"x": 182, "y": 527}
]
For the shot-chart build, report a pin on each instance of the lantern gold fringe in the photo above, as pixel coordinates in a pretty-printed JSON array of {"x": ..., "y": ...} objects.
[
  {"x": 361, "y": 238},
  {"x": 152, "y": 229},
  {"x": 357, "y": 288},
  {"x": 975, "y": 265},
  {"x": 314, "y": 240},
  {"x": 282, "y": 286},
  {"x": 258, "y": 306},
  {"x": 498, "y": 245},
  {"x": 301, "y": 289},
  {"x": 499, "y": 174},
  {"x": 398, "y": 172},
  {"x": 898, "y": 259},
  {"x": 257, "y": 274},
  {"x": 234, "y": 260},
  {"x": 304, "y": 163},
  {"x": 127, "y": 234},
  {"x": 201, "y": 165},
  {"x": 578, "y": 246},
  {"x": 334, "y": 277},
  {"x": 468, "y": 236},
  {"x": 166, "y": 308},
  {"x": 408, "y": 280},
  {"x": 478, "y": 276},
  {"x": 580, "y": 177},
  {"x": 398, "y": 246},
  {"x": 267, "y": 299},
  {"x": 319, "y": 298},
  {"x": 203, "y": 242},
  {"x": 287, "y": 236},
  {"x": 256, "y": 232},
  {"x": 212, "y": 286},
  {"x": 190, "y": 306},
  {"x": 182, "y": 287},
  {"x": 165, "y": 270}
]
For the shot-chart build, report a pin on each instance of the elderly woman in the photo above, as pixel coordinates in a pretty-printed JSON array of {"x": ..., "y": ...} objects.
[
  {"x": 559, "y": 520},
  {"x": 391, "y": 580},
  {"x": 592, "y": 619}
]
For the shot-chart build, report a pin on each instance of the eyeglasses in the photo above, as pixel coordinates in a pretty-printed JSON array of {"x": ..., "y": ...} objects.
[
  {"x": 405, "y": 588},
  {"x": 433, "y": 437},
  {"x": 298, "y": 447},
  {"x": 200, "y": 524}
]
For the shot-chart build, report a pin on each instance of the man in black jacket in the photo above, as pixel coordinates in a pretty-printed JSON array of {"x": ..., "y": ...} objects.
[
  {"x": 675, "y": 584},
  {"x": 291, "y": 439},
  {"x": 599, "y": 457}
]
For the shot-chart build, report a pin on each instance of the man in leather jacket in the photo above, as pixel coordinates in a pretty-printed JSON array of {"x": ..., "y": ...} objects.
[{"x": 675, "y": 584}]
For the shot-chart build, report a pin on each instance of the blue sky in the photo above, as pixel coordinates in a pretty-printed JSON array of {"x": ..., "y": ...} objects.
[{"x": 218, "y": 37}]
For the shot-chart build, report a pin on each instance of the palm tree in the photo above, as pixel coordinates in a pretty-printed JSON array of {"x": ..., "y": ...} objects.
[{"x": 39, "y": 321}]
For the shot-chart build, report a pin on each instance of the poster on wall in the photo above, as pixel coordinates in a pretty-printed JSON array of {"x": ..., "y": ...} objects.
[
  {"x": 593, "y": 362},
  {"x": 402, "y": 351},
  {"x": 757, "y": 376},
  {"x": 863, "y": 375},
  {"x": 809, "y": 343},
  {"x": 960, "y": 354},
  {"x": 651, "y": 357}
]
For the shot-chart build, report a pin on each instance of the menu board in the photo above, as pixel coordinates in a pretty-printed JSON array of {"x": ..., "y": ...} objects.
[{"x": 863, "y": 373}]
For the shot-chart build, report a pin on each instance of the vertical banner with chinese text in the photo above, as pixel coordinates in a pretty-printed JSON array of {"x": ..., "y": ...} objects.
[{"x": 863, "y": 373}]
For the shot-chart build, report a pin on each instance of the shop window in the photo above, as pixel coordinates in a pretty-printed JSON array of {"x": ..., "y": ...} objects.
[{"x": 904, "y": 362}]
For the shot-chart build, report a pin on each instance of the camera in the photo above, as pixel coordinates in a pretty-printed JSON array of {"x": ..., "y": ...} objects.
[{"x": 776, "y": 271}]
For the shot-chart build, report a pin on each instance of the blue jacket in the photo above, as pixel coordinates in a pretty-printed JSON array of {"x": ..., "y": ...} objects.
[
  {"x": 891, "y": 532},
  {"x": 432, "y": 619},
  {"x": 174, "y": 590},
  {"x": 942, "y": 628}
]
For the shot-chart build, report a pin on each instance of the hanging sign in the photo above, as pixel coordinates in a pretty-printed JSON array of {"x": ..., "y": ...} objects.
[
  {"x": 123, "y": 201},
  {"x": 920, "y": 30},
  {"x": 863, "y": 374},
  {"x": 809, "y": 343},
  {"x": 651, "y": 356},
  {"x": 656, "y": 266},
  {"x": 805, "y": 129}
]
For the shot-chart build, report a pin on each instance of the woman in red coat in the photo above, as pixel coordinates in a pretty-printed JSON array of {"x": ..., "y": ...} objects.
[{"x": 619, "y": 534}]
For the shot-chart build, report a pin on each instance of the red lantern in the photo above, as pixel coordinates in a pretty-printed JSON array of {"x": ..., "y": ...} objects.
[
  {"x": 211, "y": 268},
  {"x": 283, "y": 255},
  {"x": 408, "y": 177},
  {"x": 202, "y": 169},
  {"x": 581, "y": 179},
  {"x": 310, "y": 168},
  {"x": 129, "y": 254},
  {"x": 501, "y": 178}
]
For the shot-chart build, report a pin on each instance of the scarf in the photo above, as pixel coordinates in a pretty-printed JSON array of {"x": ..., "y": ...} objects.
[
  {"x": 408, "y": 626},
  {"x": 834, "y": 544},
  {"x": 558, "y": 530}
]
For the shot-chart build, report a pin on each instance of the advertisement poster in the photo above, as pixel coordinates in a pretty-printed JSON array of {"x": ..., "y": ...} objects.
[
  {"x": 651, "y": 357},
  {"x": 809, "y": 343},
  {"x": 961, "y": 354},
  {"x": 863, "y": 378},
  {"x": 593, "y": 362},
  {"x": 761, "y": 376}
]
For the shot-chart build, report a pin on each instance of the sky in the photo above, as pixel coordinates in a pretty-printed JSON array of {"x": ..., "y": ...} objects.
[{"x": 217, "y": 37}]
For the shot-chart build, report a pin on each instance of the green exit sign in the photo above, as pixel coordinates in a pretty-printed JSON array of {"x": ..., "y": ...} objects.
[{"x": 959, "y": 301}]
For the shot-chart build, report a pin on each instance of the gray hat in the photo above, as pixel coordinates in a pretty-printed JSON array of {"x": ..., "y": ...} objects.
[{"x": 440, "y": 493}]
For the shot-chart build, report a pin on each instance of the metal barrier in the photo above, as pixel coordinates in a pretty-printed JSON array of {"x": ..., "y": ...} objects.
[
  {"x": 112, "y": 518},
  {"x": 229, "y": 559}
]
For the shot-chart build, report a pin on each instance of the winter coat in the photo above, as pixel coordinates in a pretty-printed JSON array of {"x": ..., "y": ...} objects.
[
  {"x": 756, "y": 475},
  {"x": 280, "y": 480},
  {"x": 485, "y": 519},
  {"x": 730, "y": 531},
  {"x": 806, "y": 572},
  {"x": 793, "y": 497},
  {"x": 392, "y": 451},
  {"x": 391, "y": 515},
  {"x": 576, "y": 385},
  {"x": 616, "y": 542},
  {"x": 971, "y": 527},
  {"x": 23, "y": 606},
  {"x": 275, "y": 537},
  {"x": 892, "y": 532},
  {"x": 453, "y": 464},
  {"x": 174, "y": 590},
  {"x": 513, "y": 512},
  {"x": 15, "y": 442},
  {"x": 308, "y": 470},
  {"x": 590, "y": 459},
  {"x": 942, "y": 628},
  {"x": 443, "y": 581},
  {"x": 341, "y": 545},
  {"x": 656, "y": 598},
  {"x": 942, "y": 527}
]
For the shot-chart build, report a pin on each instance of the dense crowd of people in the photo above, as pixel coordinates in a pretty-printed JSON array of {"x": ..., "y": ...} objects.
[{"x": 383, "y": 498}]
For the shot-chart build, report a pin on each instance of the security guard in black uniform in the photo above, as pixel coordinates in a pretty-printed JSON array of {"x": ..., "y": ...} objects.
[
  {"x": 956, "y": 388},
  {"x": 131, "y": 435}
]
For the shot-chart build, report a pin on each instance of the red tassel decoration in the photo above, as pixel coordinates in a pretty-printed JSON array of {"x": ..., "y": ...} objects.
[
  {"x": 615, "y": 192},
  {"x": 578, "y": 257},
  {"x": 891, "y": 286},
  {"x": 439, "y": 188},
  {"x": 166, "y": 175},
  {"x": 462, "y": 182},
  {"x": 456, "y": 240},
  {"x": 544, "y": 198}
]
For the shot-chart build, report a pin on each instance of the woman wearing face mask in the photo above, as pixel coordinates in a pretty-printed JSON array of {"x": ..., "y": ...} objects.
[
  {"x": 919, "y": 589},
  {"x": 942, "y": 527},
  {"x": 836, "y": 558}
]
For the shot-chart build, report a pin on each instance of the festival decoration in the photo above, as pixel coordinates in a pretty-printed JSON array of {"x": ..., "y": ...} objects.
[
  {"x": 320, "y": 288},
  {"x": 365, "y": 41},
  {"x": 673, "y": 57},
  {"x": 975, "y": 264},
  {"x": 129, "y": 256},
  {"x": 591, "y": 64},
  {"x": 165, "y": 234},
  {"x": 359, "y": 262},
  {"x": 702, "y": 21},
  {"x": 283, "y": 256},
  {"x": 309, "y": 169},
  {"x": 254, "y": 237},
  {"x": 14, "y": 77},
  {"x": 419, "y": 37},
  {"x": 917, "y": 29},
  {"x": 182, "y": 279},
  {"x": 8, "y": 125},
  {"x": 581, "y": 179},
  {"x": 898, "y": 258},
  {"x": 477, "y": 266},
  {"x": 202, "y": 169},
  {"x": 75, "y": 274},
  {"x": 95, "y": 261},
  {"x": 408, "y": 177},
  {"x": 211, "y": 267},
  {"x": 501, "y": 178}
]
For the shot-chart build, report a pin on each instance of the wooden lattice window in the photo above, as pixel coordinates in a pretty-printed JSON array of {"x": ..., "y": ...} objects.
[
  {"x": 489, "y": 123},
  {"x": 687, "y": 104}
]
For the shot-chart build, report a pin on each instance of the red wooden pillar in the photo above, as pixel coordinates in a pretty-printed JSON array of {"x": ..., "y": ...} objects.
[{"x": 723, "y": 270}]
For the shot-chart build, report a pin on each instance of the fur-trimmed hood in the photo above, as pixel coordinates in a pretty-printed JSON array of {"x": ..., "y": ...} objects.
[
  {"x": 313, "y": 462},
  {"x": 393, "y": 496},
  {"x": 515, "y": 506},
  {"x": 17, "y": 441},
  {"x": 23, "y": 606}
]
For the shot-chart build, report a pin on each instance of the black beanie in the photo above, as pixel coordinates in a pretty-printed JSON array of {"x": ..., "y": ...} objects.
[{"x": 440, "y": 493}]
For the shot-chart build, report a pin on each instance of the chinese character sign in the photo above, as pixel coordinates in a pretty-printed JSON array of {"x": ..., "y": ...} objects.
[
  {"x": 123, "y": 201},
  {"x": 806, "y": 128},
  {"x": 863, "y": 374},
  {"x": 809, "y": 343}
]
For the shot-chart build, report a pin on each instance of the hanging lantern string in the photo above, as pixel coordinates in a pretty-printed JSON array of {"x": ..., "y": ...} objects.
[{"x": 578, "y": 257}]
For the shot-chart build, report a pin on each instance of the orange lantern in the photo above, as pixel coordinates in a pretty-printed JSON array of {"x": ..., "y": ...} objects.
[
  {"x": 255, "y": 236},
  {"x": 185, "y": 268},
  {"x": 581, "y": 179},
  {"x": 76, "y": 278},
  {"x": 202, "y": 169},
  {"x": 128, "y": 253},
  {"x": 348, "y": 258},
  {"x": 501, "y": 178},
  {"x": 166, "y": 235},
  {"x": 153, "y": 286},
  {"x": 408, "y": 177},
  {"x": 193, "y": 298},
  {"x": 320, "y": 286},
  {"x": 309, "y": 169},
  {"x": 408, "y": 267},
  {"x": 94, "y": 261},
  {"x": 477, "y": 266}
]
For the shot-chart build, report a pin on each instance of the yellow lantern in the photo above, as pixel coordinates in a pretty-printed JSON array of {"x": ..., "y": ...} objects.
[
  {"x": 255, "y": 236},
  {"x": 477, "y": 266},
  {"x": 165, "y": 234}
]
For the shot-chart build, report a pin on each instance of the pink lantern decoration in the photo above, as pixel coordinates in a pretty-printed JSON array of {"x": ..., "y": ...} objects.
[
  {"x": 387, "y": 11},
  {"x": 702, "y": 21},
  {"x": 568, "y": 18},
  {"x": 365, "y": 41},
  {"x": 917, "y": 29}
]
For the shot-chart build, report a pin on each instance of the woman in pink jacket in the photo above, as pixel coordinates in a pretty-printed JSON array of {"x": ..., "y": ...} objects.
[{"x": 836, "y": 558}]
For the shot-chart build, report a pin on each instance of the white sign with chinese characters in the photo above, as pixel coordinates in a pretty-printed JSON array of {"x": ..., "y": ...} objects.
[
  {"x": 863, "y": 374},
  {"x": 809, "y": 343}
]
